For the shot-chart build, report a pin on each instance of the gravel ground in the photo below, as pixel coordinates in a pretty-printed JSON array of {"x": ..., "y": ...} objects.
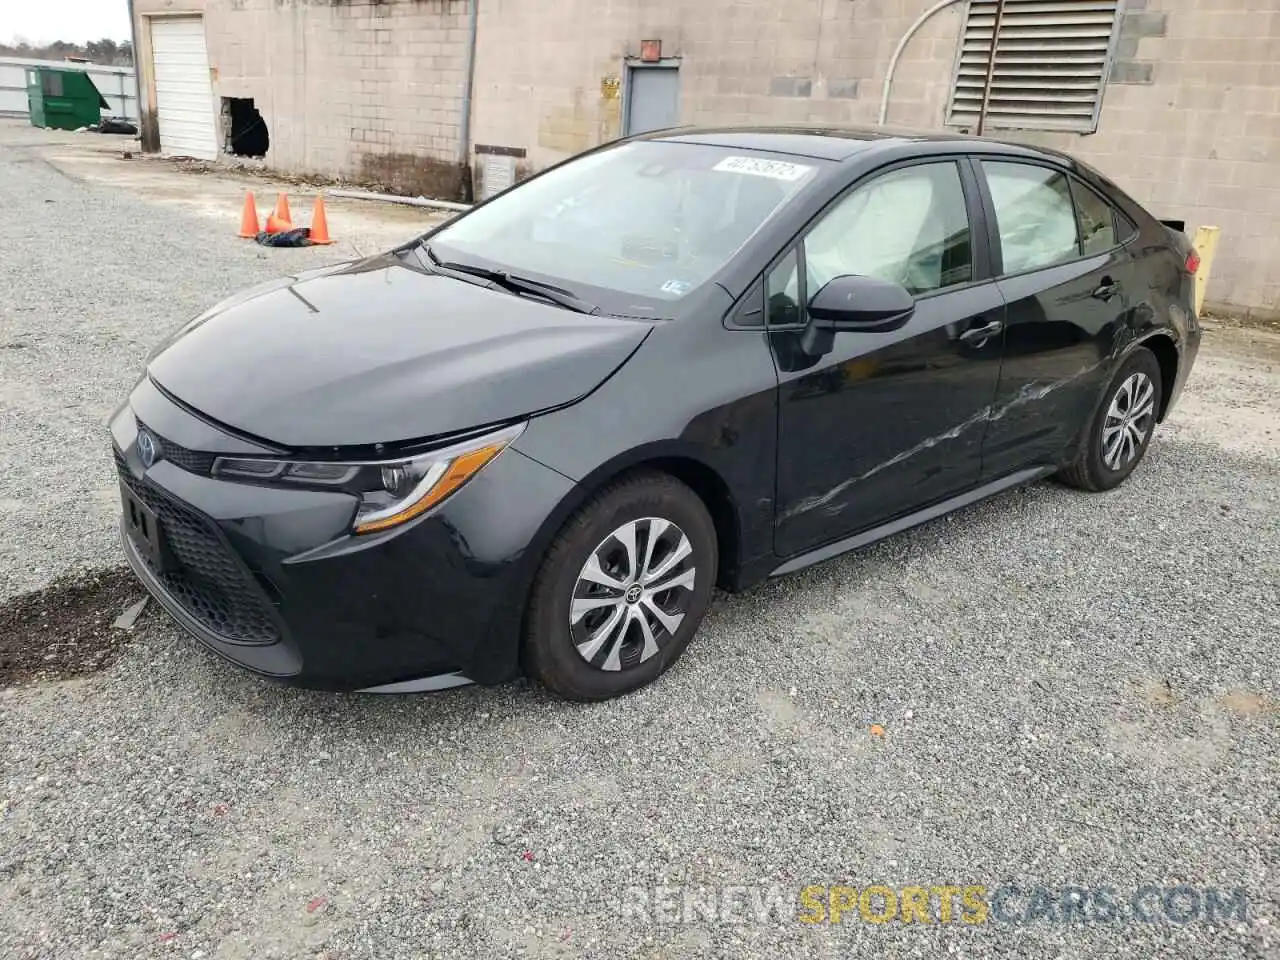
[
  {"x": 1048, "y": 689},
  {"x": 77, "y": 318}
]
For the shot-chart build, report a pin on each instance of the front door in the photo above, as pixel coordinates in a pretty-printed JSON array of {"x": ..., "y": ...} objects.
[{"x": 876, "y": 425}]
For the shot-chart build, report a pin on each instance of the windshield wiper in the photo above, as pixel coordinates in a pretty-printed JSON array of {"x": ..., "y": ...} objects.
[{"x": 516, "y": 284}]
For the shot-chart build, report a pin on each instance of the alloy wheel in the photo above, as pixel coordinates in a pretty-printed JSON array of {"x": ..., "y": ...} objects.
[
  {"x": 632, "y": 594},
  {"x": 1129, "y": 421}
]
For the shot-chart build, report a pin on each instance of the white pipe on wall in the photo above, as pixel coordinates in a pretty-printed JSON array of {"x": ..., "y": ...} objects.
[{"x": 897, "y": 54}]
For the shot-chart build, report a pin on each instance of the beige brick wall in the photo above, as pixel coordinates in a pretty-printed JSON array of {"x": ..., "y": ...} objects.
[
  {"x": 540, "y": 66},
  {"x": 373, "y": 90},
  {"x": 367, "y": 90},
  {"x": 1200, "y": 141}
]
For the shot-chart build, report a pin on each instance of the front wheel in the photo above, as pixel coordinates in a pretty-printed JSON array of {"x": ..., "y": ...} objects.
[
  {"x": 1121, "y": 430},
  {"x": 622, "y": 589}
]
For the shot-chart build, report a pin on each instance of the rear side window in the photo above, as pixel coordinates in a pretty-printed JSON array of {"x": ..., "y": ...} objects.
[
  {"x": 1097, "y": 220},
  {"x": 1034, "y": 214}
]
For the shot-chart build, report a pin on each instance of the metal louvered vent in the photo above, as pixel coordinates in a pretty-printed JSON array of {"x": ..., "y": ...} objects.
[{"x": 1051, "y": 59}]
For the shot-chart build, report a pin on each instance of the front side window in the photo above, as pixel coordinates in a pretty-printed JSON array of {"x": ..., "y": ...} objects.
[
  {"x": 1034, "y": 214},
  {"x": 641, "y": 224},
  {"x": 909, "y": 226}
]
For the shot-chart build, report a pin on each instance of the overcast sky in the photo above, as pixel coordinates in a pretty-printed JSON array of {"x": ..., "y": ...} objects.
[{"x": 76, "y": 21}]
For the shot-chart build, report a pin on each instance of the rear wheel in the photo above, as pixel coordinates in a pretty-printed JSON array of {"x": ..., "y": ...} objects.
[
  {"x": 1122, "y": 428},
  {"x": 622, "y": 589}
]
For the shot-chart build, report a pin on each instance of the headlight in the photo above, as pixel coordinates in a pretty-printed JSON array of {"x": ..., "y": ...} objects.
[{"x": 391, "y": 492}]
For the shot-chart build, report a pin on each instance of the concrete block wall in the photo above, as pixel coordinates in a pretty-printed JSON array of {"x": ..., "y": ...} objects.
[
  {"x": 1190, "y": 125},
  {"x": 367, "y": 90},
  {"x": 543, "y": 70},
  {"x": 372, "y": 89},
  {"x": 1190, "y": 122}
]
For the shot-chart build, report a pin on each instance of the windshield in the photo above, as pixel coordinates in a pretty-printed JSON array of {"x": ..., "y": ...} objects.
[{"x": 633, "y": 227}]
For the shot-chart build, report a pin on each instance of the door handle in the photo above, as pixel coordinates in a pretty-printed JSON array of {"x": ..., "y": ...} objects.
[
  {"x": 980, "y": 334},
  {"x": 1106, "y": 290}
]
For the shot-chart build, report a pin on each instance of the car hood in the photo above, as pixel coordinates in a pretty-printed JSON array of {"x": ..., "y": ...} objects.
[{"x": 382, "y": 351}]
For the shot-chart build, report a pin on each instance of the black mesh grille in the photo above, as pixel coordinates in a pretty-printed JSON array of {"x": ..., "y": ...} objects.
[
  {"x": 190, "y": 460},
  {"x": 206, "y": 578}
]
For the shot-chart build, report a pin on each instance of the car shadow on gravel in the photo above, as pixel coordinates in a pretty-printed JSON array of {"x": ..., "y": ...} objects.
[{"x": 66, "y": 629}]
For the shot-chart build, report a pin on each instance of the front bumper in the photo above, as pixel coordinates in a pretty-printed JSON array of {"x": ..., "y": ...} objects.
[{"x": 271, "y": 579}]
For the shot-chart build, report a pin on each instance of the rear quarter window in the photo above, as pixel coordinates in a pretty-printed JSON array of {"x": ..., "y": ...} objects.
[
  {"x": 1126, "y": 229},
  {"x": 1125, "y": 225},
  {"x": 1097, "y": 220}
]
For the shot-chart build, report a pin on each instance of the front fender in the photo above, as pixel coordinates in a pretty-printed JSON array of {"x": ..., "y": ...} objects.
[{"x": 696, "y": 400}]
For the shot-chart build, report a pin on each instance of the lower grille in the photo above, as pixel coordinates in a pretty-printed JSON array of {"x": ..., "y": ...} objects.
[{"x": 206, "y": 577}]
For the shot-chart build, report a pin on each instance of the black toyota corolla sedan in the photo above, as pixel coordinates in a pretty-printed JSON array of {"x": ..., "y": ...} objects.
[{"x": 534, "y": 439}]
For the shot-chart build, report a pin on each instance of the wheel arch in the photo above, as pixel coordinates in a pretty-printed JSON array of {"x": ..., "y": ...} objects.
[
  {"x": 716, "y": 496},
  {"x": 1166, "y": 354},
  {"x": 675, "y": 460},
  {"x": 672, "y": 458}
]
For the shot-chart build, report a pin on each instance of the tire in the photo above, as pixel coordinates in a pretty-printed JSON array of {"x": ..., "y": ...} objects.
[
  {"x": 1098, "y": 465},
  {"x": 569, "y": 657}
]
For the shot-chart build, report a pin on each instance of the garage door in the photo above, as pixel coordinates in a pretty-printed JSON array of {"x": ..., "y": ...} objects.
[{"x": 184, "y": 93}]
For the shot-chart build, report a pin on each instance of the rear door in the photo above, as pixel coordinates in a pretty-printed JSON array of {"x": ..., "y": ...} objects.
[{"x": 1069, "y": 285}]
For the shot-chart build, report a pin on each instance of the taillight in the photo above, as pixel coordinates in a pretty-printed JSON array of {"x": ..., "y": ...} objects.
[{"x": 1193, "y": 263}]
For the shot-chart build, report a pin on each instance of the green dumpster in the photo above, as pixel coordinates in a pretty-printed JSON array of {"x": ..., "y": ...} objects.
[{"x": 65, "y": 99}]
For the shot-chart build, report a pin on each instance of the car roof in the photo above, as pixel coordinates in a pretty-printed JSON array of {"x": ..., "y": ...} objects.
[{"x": 836, "y": 143}]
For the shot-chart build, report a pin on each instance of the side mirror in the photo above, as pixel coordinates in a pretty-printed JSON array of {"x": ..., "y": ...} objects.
[{"x": 862, "y": 303}]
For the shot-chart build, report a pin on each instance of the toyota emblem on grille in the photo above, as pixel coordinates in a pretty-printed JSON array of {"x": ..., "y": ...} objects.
[{"x": 147, "y": 448}]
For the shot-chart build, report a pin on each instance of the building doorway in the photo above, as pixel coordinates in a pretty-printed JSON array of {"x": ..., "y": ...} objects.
[
  {"x": 184, "y": 90},
  {"x": 653, "y": 98}
]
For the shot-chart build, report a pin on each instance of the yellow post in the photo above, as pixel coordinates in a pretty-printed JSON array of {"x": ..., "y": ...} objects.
[{"x": 1206, "y": 244}]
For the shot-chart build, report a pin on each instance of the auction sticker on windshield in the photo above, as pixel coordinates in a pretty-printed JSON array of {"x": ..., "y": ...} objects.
[{"x": 759, "y": 167}]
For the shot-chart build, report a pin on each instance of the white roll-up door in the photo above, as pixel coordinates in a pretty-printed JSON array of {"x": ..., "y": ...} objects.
[{"x": 184, "y": 92}]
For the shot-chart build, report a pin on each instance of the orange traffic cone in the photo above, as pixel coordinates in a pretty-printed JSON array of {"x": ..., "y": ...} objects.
[
  {"x": 249, "y": 218},
  {"x": 276, "y": 225},
  {"x": 319, "y": 223},
  {"x": 282, "y": 207}
]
